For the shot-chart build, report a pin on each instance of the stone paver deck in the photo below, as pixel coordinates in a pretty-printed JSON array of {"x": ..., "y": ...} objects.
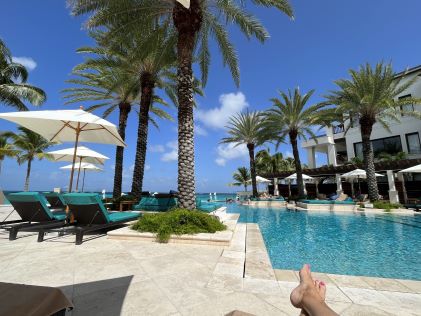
[{"x": 123, "y": 277}]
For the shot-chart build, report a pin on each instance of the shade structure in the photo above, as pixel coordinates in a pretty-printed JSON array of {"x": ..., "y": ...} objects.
[
  {"x": 294, "y": 177},
  {"x": 185, "y": 3},
  {"x": 82, "y": 166},
  {"x": 358, "y": 174},
  {"x": 68, "y": 126},
  {"x": 260, "y": 179},
  {"x": 414, "y": 169},
  {"x": 83, "y": 154}
]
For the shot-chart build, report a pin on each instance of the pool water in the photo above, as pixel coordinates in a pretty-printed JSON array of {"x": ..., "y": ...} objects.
[{"x": 369, "y": 245}]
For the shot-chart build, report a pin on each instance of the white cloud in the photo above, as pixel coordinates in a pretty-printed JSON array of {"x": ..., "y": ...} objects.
[
  {"x": 288, "y": 154},
  {"x": 131, "y": 168},
  {"x": 218, "y": 117},
  {"x": 147, "y": 167},
  {"x": 230, "y": 151},
  {"x": 28, "y": 62},
  {"x": 171, "y": 155},
  {"x": 157, "y": 148},
  {"x": 199, "y": 130}
]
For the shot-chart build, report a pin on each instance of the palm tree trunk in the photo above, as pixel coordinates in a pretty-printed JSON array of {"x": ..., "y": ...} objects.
[
  {"x": 119, "y": 152},
  {"x": 250, "y": 147},
  {"x": 366, "y": 127},
  {"x": 147, "y": 87},
  {"x": 297, "y": 162},
  {"x": 187, "y": 23},
  {"x": 28, "y": 173}
]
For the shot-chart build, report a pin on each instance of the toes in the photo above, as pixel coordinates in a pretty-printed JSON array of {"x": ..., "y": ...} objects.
[
  {"x": 305, "y": 274},
  {"x": 322, "y": 289}
]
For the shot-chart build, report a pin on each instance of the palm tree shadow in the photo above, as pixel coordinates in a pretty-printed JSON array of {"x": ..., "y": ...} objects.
[{"x": 103, "y": 297}]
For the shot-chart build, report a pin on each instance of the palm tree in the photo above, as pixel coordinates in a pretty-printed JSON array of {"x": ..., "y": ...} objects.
[
  {"x": 30, "y": 145},
  {"x": 289, "y": 117},
  {"x": 242, "y": 177},
  {"x": 193, "y": 26},
  {"x": 116, "y": 79},
  {"x": 6, "y": 148},
  {"x": 14, "y": 93},
  {"x": 271, "y": 164},
  {"x": 371, "y": 96},
  {"x": 246, "y": 129}
]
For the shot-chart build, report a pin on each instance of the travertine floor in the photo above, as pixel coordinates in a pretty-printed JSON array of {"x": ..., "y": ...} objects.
[{"x": 117, "y": 277}]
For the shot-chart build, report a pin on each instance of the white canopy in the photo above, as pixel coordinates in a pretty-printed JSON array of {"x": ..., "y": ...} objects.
[
  {"x": 185, "y": 3},
  {"x": 414, "y": 169},
  {"x": 61, "y": 126},
  {"x": 260, "y": 179},
  {"x": 84, "y": 165},
  {"x": 83, "y": 154},
  {"x": 358, "y": 173},
  {"x": 68, "y": 126},
  {"x": 294, "y": 177}
]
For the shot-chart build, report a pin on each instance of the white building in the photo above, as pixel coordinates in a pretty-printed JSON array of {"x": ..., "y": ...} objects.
[{"x": 404, "y": 136}]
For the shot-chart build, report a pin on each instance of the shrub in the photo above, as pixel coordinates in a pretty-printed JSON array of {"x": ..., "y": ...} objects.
[
  {"x": 178, "y": 222},
  {"x": 387, "y": 206}
]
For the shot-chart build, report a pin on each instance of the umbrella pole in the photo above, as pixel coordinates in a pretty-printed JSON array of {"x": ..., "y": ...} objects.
[
  {"x": 78, "y": 174},
  {"x": 74, "y": 157},
  {"x": 359, "y": 185},
  {"x": 83, "y": 181}
]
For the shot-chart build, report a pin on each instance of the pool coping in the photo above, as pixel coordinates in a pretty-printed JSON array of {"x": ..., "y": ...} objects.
[{"x": 358, "y": 210}]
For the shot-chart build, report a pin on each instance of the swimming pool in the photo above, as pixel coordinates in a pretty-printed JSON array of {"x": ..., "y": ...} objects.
[{"x": 369, "y": 245}]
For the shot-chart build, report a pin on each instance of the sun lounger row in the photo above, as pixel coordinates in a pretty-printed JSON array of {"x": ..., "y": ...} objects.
[{"x": 87, "y": 210}]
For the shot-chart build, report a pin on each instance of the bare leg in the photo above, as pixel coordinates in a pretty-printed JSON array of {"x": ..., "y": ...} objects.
[{"x": 310, "y": 295}]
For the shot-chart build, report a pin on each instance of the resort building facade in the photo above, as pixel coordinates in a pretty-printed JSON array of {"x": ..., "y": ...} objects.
[{"x": 404, "y": 136}]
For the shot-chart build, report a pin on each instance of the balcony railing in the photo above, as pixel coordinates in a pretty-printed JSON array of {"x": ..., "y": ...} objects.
[{"x": 338, "y": 129}]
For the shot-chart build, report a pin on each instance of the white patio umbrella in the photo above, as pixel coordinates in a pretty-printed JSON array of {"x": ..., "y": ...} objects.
[
  {"x": 294, "y": 177},
  {"x": 83, "y": 154},
  {"x": 414, "y": 169},
  {"x": 358, "y": 174},
  {"x": 85, "y": 166},
  {"x": 185, "y": 3},
  {"x": 68, "y": 126}
]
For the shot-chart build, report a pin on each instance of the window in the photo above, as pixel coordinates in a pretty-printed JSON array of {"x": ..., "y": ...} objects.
[
  {"x": 406, "y": 107},
  {"x": 390, "y": 145},
  {"x": 413, "y": 143}
]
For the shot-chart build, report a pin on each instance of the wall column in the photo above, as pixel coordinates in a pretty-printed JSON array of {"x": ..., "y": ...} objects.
[
  {"x": 275, "y": 187},
  {"x": 402, "y": 179},
  {"x": 338, "y": 184},
  {"x": 331, "y": 155},
  {"x": 311, "y": 157},
  {"x": 393, "y": 194}
]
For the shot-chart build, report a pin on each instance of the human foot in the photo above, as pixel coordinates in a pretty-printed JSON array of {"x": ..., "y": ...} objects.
[{"x": 308, "y": 290}]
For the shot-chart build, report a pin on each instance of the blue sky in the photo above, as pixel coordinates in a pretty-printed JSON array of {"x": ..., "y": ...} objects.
[{"x": 327, "y": 38}]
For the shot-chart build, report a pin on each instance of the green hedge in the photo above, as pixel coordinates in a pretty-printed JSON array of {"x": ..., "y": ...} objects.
[
  {"x": 387, "y": 206},
  {"x": 178, "y": 222}
]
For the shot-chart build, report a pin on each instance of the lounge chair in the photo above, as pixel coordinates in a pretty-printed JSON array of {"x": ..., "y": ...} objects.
[
  {"x": 206, "y": 206},
  {"x": 34, "y": 212},
  {"x": 56, "y": 200},
  {"x": 160, "y": 202},
  {"x": 90, "y": 214}
]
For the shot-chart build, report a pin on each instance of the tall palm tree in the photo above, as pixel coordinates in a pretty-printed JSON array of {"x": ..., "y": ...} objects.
[
  {"x": 14, "y": 91},
  {"x": 194, "y": 27},
  {"x": 371, "y": 95},
  {"x": 118, "y": 81},
  {"x": 289, "y": 117},
  {"x": 242, "y": 177},
  {"x": 30, "y": 145},
  {"x": 6, "y": 149},
  {"x": 246, "y": 129}
]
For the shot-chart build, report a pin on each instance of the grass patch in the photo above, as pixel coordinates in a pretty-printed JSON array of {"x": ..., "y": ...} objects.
[
  {"x": 178, "y": 222},
  {"x": 387, "y": 206}
]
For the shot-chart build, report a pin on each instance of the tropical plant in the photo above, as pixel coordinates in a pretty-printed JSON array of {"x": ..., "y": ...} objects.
[
  {"x": 246, "y": 129},
  {"x": 116, "y": 78},
  {"x": 290, "y": 117},
  {"x": 194, "y": 26},
  {"x": 371, "y": 95},
  {"x": 267, "y": 164},
  {"x": 242, "y": 177},
  {"x": 392, "y": 157},
  {"x": 14, "y": 89},
  {"x": 6, "y": 149},
  {"x": 29, "y": 145}
]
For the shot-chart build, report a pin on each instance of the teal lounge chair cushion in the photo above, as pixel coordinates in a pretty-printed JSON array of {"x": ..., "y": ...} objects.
[
  {"x": 317, "y": 201},
  {"x": 32, "y": 197},
  {"x": 122, "y": 216},
  {"x": 344, "y": 202},
  {"x": 156, "y": 204}
]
